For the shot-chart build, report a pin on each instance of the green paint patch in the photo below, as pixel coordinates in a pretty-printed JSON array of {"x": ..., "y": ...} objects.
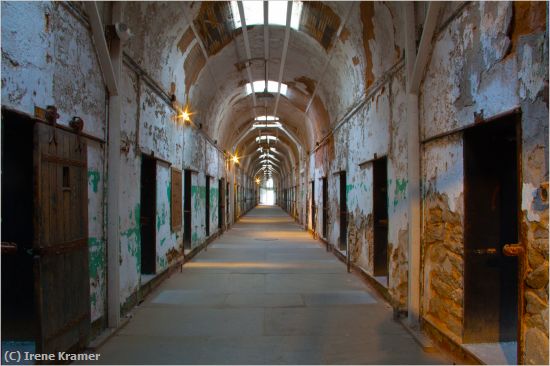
[
  {"x": 400, "y": 190},
  {"x": 93, "y": 179},
  {"x": 194, "y": 237},
  {"x": 134, "y": 232},
  {"x": 162, "y": 241},
  {"x": 97, "y": 257}
]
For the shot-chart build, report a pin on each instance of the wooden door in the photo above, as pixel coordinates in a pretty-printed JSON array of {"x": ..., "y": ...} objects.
[{"x": 60, "y": 246}]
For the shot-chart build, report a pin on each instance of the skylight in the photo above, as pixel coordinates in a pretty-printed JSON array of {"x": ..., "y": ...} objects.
[
  {"x": 254, "y": 13},
  {"x": 272, "y": 87},
  {"x": 264, "y": 138}
]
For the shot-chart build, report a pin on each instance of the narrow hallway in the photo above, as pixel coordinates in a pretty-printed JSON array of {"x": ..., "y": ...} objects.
[{"x": 264, "y": 293}]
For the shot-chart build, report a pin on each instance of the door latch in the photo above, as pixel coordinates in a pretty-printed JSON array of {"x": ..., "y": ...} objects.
[
  {"x": 512, "y": 250},
  {"x": 490, "y": 251}
]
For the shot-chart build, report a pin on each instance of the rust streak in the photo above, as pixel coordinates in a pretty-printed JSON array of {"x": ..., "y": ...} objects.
[
  {"x": 186, "y": 40},
  {"x": 367, "y": 12}
]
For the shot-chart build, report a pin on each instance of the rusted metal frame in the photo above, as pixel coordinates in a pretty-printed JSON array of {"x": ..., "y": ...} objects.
[
  {"x": 323, "y": 73},
  {"x": 62, "y": 247},
  {"x": 246, "y": 42},
  {"x": 98, "y": 35},
  {"x": 383, "y": 80},
  {"x": 283, "y": 56},
  {"x": 515, "y": 110}
]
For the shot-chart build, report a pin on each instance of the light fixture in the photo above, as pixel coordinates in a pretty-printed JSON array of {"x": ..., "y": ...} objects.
[
  {"x": 257, "y": 180},
  {"x": 235, "y": 159}
]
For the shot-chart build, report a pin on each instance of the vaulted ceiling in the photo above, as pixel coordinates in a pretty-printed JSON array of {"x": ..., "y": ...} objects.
[{"x": 202, "y": 55}]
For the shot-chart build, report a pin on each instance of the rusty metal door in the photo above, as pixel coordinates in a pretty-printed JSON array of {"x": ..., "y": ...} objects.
[
  {"x": 491, "y": 221},
  {"x": 60, "y": 248}
]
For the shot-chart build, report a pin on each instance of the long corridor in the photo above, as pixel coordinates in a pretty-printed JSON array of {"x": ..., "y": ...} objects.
[{"x": 264, "y": 293}]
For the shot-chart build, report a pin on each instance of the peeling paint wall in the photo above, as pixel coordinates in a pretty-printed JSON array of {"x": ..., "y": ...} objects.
[
  {"x": 51, "y": 60},
  {"x": 494, "y": 58}
]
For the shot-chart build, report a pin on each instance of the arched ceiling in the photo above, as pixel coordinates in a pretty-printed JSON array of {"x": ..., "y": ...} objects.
[{"x": 197, "y": 53}]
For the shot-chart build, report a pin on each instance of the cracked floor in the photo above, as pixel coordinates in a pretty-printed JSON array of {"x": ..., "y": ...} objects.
[{"x": 264, "y": 293}]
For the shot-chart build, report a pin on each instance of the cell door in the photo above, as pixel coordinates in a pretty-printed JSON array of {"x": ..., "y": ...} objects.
[
  {"x": 325, "y": 207},
  {"x": 187, "y": 204},
  {"x": 148, "y": 214},
  {"x": 60, "y": 245},
  {"x": 343, "y": 212},
  {"x": 491, "y": 198},
  {"x": 313, "y": 207},
  {"x": 221, "y": 203},
  {"x": 227, "y": 201},
  {"x": 380, "y": 216},
  {"x": 207, "y": 209}
]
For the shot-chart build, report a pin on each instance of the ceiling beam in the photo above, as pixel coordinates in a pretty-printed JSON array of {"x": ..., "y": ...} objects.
[
  {"x": 248, "y": 53},
  {"x": 98, "y": 35},
  {"x": 425, "y": 47},
  {"x": 266, "y": 41},
  {"x": 283, "y": 57}
]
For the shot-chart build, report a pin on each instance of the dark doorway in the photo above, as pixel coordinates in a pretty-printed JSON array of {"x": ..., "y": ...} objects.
[
  {"x": 19, "y": 321},
  {"x": 227, "y": 217},
  {"x": 313, "y": 208},
  {"x": 325, "y": 207},
  {"x": 187, "y": 235},
  {"x": 207, "y": 209},
  {"x": 380, "y": 216},
  {"x": 491, "y": 199},
  {"x": 221, "y": 203},
  {"x": 148, "y": 214},
  {"x": 235, "y": 202},
  {"x": 343, "y": 212}
]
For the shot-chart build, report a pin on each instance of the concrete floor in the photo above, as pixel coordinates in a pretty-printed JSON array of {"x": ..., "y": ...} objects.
[{"x": 264, "y": 293}]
